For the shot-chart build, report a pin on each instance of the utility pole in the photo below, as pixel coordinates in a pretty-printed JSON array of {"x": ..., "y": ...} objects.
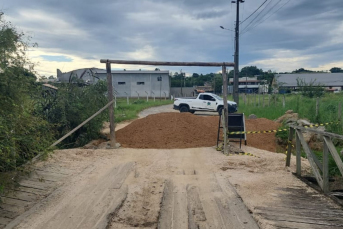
[{"x": 236, "y": 73}]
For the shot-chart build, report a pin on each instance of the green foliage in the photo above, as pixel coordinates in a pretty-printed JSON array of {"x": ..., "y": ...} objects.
[
  {"x": 75, "y": 103},
  {"x": 22, "y": 133},
  {"x": 336, "y": 70},
  {"x": 311, "y": 89}
]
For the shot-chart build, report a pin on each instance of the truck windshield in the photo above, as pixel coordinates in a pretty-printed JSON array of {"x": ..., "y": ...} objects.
[{"x": 217, "y": 97}]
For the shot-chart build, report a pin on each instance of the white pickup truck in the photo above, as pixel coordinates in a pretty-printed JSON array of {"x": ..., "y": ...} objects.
[{"x": 204, "y": 102}]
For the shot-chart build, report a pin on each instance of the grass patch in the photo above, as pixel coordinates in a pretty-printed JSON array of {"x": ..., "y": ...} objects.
[{"x": 125, "y": 111}]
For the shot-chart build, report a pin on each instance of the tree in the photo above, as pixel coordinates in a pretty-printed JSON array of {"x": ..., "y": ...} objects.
[
  {"x": 336, "y": 70},
  {"x": 250, "y": 71}
]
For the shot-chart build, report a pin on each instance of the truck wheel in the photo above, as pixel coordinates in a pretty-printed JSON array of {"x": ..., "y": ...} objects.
[
  {"x": 192, "y": 112},
  {"x": 220, "y": 110},
  {"x": 184, "y": 109}
]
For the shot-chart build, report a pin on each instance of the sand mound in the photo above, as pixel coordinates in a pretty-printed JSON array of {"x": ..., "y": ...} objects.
[{"x": 185, "y": 130}]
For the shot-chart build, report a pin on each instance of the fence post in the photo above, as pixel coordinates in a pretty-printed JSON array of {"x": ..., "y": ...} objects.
[
  {"x": 340, "y": 111},
  {"x": 255, "y": 99},
  {"x": 147, "y": 98},
  {"x": 165, "y": 95},
  {"x": 263, "y": 99},
  {"x": 269, "y": 98},
  {"x": 317, "y": 106},
  {"x": 325, "y": 168},
  {"x": 283, "y": 101},
  {"x": 275, "y": 100},
  {"x": 298, "y": 155},
  {"x": 289, "y": 146},
  {"x": 115, "y": 100},
  {"x": 259, "y": 100}
]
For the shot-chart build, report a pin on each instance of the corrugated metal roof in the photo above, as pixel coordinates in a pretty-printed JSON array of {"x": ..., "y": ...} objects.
[{"x": 326, "y": 79}]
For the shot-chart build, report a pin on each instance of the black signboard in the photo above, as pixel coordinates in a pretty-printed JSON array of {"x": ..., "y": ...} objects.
[{"x": 236, "y": 123}]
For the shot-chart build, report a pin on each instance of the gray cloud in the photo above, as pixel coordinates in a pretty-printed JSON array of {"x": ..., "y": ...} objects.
[{"x": 181, "y": 30}]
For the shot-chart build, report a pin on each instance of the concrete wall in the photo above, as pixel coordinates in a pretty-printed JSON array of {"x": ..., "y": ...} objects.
[
  {"x": 140, "y": 83},
  {"x": 186, "y": 91}
]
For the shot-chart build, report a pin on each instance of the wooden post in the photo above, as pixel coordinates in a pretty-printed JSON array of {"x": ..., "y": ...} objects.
[
  {"x": 298, "y": 156},
  {"x": 289, "y": 146},
  {"x": 340, "y": 111},
  {"x": 283, "y": 101},
  {"x": 269, "y": 97},
  {"x": 275, "y": 100},
  {"x": 147, "y": 96},
  {"x": 325, "y": 168},
  {"x": 259, "y": 100},
  {"x": 263, "y": 100},
  {"x": 255, "y": 99},
  {"x": 165, "y": 95},
  {"x": 317, "y": 106},
  {"x": 110, "y": 108},
  {"x": 225, "y": 111},
  {"x": 115, "y": 100}
]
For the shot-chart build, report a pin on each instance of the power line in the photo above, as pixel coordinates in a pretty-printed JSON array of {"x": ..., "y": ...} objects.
[
  {"x": 254, "y": 12},
  {"x": 256, "y": 16},
  {"x": 266, "y": 18}
]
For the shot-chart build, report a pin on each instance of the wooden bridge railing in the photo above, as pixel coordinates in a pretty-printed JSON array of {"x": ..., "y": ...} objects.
[{"x": 320, "y": 169}]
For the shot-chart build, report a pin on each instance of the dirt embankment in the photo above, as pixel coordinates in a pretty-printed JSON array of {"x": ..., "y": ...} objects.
[{"x": 184, "y": 130}]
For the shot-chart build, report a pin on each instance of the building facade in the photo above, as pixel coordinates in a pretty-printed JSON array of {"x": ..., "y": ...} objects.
[
  {"x": 249, "y": 85},
  {"x": 126, "y": 83},
  {"x": 330, "y": 81}
]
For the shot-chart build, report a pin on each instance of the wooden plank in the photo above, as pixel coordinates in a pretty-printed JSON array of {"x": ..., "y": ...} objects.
[
  {"x": 318, "y": 132},
  {"x": 310, "y": 159},
  {"x": 225, "y": 110},
  {"x": 298, "y": 156},
  {"x": 17, "y": 202},
  {"x": 325, "y": 170},
  {"x": 31, "y": 190},
  {"x": 302, "y": 220},
  {"x": 289, "y": 146},
  {"x": 163, "y": 63},
  {"x": 36, "y": 185},
  {"x": 23, "y": 196},
  {"x": 4, "y": 221},
  {"x": 78, "y": 127},
  {"x": 334, "y": 153},
  {"x": 8, "y": 214},
  {"x": 110, "y": 108},
  {"x": 12, "y": 208},
  {"x": 301, "y": 211}
]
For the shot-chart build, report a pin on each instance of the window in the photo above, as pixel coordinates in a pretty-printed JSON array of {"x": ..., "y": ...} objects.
[
  {"x": 140, "y": 83},
  {"x": 159, "y": 78},
  {"x": 121, "y": 83},
  {"x": 207, "y": 97}
]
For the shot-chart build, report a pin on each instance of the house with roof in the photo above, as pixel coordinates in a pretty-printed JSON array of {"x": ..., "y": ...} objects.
[
  {"x": 249, "y": 85},
  {"x": 332, "y": 82},
  {"x": 137, "y": 83}
]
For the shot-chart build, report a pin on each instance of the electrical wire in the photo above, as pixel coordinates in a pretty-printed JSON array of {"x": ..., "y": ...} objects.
[
  {"x": 246, "y": 27},
  {"x": 253, "y": 12},
  {"x": 266, "y": 18}
]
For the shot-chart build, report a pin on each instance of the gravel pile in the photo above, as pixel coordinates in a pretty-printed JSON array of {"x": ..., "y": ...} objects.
[{"x": 185, "y": 130}]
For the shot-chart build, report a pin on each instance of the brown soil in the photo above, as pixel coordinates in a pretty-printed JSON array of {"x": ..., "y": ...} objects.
[{"x": 185, "y": 130}]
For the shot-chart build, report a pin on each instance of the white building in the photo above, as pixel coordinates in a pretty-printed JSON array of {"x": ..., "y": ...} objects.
[
  {"x": 249, "y": 85},
  {"x": 125, "y": 83}
]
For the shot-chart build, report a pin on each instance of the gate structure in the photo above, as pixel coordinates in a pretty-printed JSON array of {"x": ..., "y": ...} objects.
[
  {"x": 320, "y": 169},
  {"x": 161, "y": 63}
]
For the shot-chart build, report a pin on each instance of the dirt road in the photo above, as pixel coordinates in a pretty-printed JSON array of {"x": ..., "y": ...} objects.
[
  {"x": 167, "y": 188},
  {"x": 142, "y": 188}
]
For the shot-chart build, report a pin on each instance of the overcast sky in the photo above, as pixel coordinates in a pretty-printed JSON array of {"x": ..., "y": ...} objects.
[{"x": 283, "y": 35}]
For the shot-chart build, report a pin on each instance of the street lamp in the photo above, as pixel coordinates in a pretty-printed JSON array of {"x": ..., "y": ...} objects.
[{"x": 226, "y": 28}]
